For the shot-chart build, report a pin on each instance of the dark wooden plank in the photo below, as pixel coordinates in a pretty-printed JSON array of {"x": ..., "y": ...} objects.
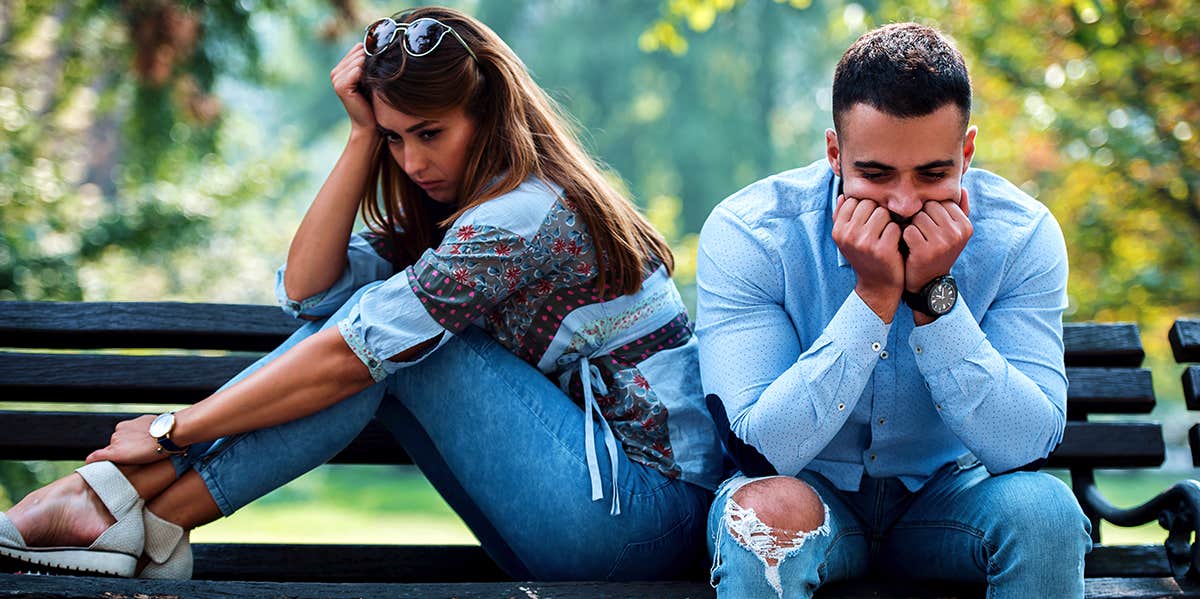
[
  {"x": 73, "y": 435},
  {"x": 1194, "y": 444},
  {"x": 1191, "y": 387},
  {"x": 107, "y": 378},
  {"x": 469, "y": 563},
  {"x": 1185, "y": 339},
  {"x": 87, "y": 587},
  {"x": 1110, "y": 445},
  {"x": 345, "y": 563},
  {"x": 1109, "y": 390},
  {"x": 83, "y": 325},
  {"x": 1102, "y": 344},
  {"x": 1113, "y": 561}
]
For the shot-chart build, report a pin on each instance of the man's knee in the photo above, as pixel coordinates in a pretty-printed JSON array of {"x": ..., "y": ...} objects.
[
  {"x": 1044, "y": 510},
  {"x": 783, "y": 503}
]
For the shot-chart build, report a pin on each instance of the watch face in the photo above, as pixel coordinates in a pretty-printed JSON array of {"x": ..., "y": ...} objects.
[
  {"x": 942, "y": 297},
  {"x": 162, "y": 425}
]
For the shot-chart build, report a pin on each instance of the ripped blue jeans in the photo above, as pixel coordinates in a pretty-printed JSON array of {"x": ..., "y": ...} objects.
[
  {"x": 502, "y": 444},
  {"x": 1022, "y": 533}
]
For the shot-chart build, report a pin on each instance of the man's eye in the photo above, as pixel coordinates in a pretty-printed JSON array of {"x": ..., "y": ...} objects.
[
  {"x": 873, "y": 176},
  {"x": 934, "y": 176},
  {"x": 429, "y": 134}
]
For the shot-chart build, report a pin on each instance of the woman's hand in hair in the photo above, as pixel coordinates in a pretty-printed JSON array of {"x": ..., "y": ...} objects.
[{"x": 345, "y": 77}]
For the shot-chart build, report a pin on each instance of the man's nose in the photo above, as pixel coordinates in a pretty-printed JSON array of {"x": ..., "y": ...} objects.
[{"x": 905, "y": 201}]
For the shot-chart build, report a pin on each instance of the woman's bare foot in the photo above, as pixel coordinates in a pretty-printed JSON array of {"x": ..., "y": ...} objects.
[{"x": 64, "y": 513}]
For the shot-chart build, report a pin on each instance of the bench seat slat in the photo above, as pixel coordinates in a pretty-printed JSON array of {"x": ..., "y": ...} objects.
[
  {"x": 72, "y": 435},
  {"x": 86, "y": 325},
  {"x": 109, "y": 378},
  {"x": 467, "y": 563}
]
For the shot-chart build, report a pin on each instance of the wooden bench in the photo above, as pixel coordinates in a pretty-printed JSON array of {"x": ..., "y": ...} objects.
[{"x": 1104, "y": 368}]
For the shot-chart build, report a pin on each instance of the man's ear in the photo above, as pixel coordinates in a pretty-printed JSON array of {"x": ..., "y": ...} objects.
[
  {"x": 832, "y": 152},
  {"x": 969, "y": 146}
]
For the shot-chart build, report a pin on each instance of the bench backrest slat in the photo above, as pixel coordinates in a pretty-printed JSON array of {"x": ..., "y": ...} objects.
[
  {"x": 88, "y": 325},
  {"x": 72, "y": 435},
  {"x": 1185, "y": 339},
  {"x": 1102, "y": 344},
  {"x": 110, "y": 378}
]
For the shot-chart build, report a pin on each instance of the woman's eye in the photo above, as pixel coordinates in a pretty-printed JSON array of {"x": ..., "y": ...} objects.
[
  {"x": 429, "y": 134},
  {"x": 391, "y": 137}
]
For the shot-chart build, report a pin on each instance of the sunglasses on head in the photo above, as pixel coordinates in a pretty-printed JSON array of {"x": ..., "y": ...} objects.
[{"x": 418, "y": 38}]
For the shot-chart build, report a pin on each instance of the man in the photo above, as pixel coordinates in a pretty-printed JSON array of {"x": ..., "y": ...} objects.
[{"x": 883, "y": 329}]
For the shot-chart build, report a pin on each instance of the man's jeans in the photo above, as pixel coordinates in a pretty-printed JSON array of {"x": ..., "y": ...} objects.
[
  {"x": 1023, "y": 533},
  {"x": 505, "y": 448}
]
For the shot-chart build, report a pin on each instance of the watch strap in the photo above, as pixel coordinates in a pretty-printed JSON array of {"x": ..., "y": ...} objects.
[{"x": 919, "y": 301}]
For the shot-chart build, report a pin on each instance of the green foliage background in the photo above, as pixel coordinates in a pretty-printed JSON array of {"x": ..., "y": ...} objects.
[{"x": 166, "y": 149}]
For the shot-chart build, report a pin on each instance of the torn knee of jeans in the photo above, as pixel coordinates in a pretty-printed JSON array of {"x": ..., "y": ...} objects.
[{"x": 770, "y": 543}]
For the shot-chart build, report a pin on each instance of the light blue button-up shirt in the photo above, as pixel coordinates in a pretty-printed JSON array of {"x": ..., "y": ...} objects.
[{"x": 814, "y": 379}]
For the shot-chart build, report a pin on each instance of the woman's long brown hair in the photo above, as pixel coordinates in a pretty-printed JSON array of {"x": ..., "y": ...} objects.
[{"x": 520, "y": 132}]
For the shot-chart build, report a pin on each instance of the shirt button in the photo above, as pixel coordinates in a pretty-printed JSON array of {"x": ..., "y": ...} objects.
[
  {"x": 882, "y": 420},
  {"x": 372, "y": 363},
  {"x": 883, "y": 355},
  {"x": 841, "y": 406},
  {"x": 917, "y": 349},
  {"x": 875, "y": 346},
  {"x": 872, "y": 457},
  {"x": 939, "y": 406}
]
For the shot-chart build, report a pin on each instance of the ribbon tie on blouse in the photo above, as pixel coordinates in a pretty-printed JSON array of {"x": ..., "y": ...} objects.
[{"x": 589, "y": 376}]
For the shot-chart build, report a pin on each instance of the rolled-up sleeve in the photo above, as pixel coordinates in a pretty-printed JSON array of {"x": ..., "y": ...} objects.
[
  {"x": 364, "y": 263},
  {"x": 450, "y": 287}
]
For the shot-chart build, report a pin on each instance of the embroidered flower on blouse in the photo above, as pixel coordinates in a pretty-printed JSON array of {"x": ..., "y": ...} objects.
[{"x": 466, "y": 232}]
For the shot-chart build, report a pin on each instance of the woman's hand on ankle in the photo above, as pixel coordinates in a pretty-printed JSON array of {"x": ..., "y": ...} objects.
[{"x": 131, "y": 443}]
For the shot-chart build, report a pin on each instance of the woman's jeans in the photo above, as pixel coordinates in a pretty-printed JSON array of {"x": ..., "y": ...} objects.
[
  {"x": 502, "y": 444},
  {"x": 1022, "y": 533}
]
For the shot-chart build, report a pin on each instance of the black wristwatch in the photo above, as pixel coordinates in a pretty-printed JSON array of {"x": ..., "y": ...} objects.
[{"x": 935, "y": 299}]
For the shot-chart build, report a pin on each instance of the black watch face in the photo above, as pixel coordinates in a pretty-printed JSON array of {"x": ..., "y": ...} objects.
[{"x": 942, "y": 297}]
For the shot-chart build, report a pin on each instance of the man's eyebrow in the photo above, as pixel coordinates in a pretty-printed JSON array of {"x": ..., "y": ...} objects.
[
  {"x": 935, "y": 164},
  {"x": 871, "y": 164}
]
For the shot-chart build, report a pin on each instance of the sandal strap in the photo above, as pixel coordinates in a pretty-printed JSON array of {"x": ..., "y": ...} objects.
[{"x": 113, "y": 489}]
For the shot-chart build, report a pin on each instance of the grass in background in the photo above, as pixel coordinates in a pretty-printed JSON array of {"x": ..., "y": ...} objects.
[{"x": 346, "y": 504}]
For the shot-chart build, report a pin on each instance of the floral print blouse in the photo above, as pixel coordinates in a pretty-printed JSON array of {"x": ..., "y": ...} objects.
[{"x": 522, "y": 266}]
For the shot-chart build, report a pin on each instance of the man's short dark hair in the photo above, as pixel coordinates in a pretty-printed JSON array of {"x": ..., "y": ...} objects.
[{"x": 903, "y": 70}]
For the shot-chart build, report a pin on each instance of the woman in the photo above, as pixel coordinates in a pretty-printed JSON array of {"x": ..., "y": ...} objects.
[{"x": 506, "y": 312}]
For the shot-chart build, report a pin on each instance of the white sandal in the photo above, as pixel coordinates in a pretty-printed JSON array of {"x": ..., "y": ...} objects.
[
  {"x": 114, "y": 552},
  {"x": 167, "y": 547}
]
